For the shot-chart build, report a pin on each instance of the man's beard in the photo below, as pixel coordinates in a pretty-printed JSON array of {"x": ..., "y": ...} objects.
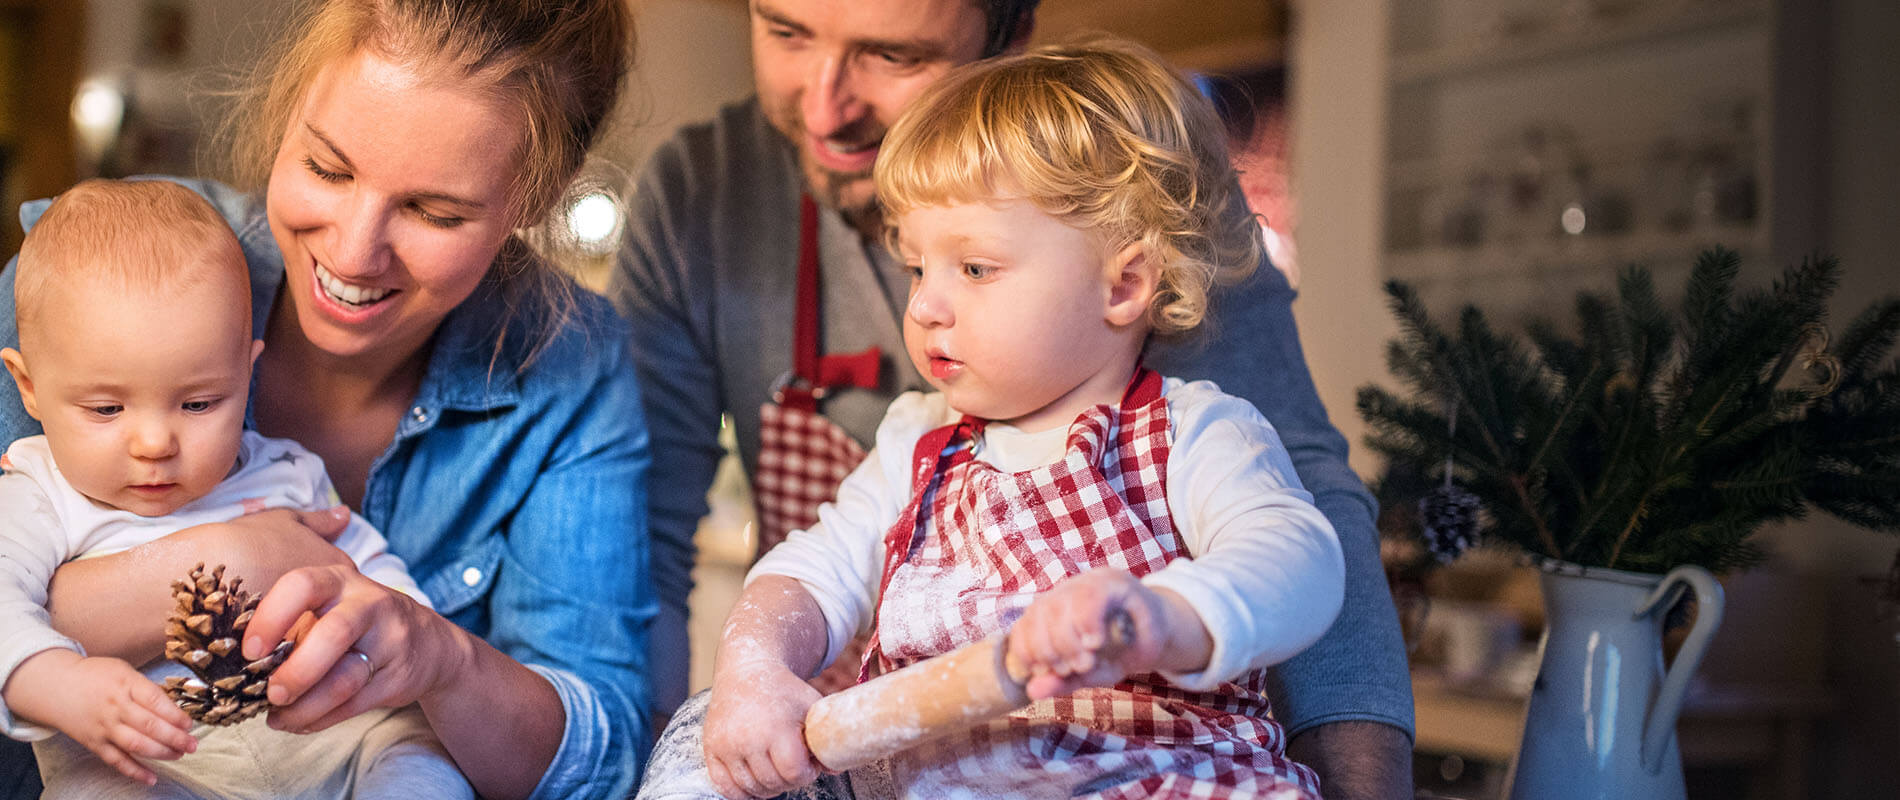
[
  {"x": 847, "y": 192},
  {"x": 830, "y": 189}
]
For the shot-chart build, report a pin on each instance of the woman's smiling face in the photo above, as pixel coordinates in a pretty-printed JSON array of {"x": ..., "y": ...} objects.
[{"x": 390, "y": 199}]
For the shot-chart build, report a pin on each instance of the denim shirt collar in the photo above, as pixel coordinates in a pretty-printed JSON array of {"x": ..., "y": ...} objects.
[{"x": 466, "y": 371}]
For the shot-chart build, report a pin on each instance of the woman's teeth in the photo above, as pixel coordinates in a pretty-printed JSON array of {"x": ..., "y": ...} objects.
[{"x": 349, "y": 294}]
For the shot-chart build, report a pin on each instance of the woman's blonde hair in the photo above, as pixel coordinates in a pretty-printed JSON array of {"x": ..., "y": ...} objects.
[
  {"x": 559, "y": 63},
  {"x": 1100, "y": 134}
]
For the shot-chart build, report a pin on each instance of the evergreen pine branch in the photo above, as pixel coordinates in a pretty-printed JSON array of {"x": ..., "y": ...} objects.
[
  {"x": 1709, "y": 319},
  {"x": 1867, "y": 340},
  {"x": 1705, "y": 304},
  {"x": 1650, "y": 334},
  {"x": 1802, "y": 295},
  {"x": 1412, "y": 366},
  {"x": 1656, "y": 436}
]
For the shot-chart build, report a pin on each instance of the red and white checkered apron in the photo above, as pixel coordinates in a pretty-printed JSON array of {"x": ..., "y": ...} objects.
[
  {"x": 802, "y": 455},
  {"x": 972, "y": 551}
]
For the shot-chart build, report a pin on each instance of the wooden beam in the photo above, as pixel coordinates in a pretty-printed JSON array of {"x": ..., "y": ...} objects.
[{"x": 44, "y": 163}]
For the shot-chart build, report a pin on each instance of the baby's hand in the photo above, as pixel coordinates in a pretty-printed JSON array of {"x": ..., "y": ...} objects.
[
  {"x": 755, "y": 731},
  {"x": 1063, "y": 639},
  {"x": 104, "y": 704}
]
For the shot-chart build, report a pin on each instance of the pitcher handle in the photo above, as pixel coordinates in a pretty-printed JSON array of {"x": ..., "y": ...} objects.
[{"x": 1662, "y": 714}]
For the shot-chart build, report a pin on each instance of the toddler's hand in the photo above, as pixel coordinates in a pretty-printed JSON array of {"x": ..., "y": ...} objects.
[
  {"x": 1063, "y": 637},
  {"x": 755, "y": 731},
  {"x": 104, "y": 704}
]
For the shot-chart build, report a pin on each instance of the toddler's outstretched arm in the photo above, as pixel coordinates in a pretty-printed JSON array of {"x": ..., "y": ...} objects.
[
  {"x": 754, "y": 734},
  {"x": 1063, "y": 637},
  {"x": 104, "y": 704}
]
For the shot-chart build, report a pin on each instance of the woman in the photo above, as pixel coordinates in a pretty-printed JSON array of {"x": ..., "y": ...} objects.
[{"x": 473, "y": 405}]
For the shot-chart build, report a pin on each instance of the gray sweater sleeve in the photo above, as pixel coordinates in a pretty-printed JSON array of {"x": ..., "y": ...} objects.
[{"x": 653, "y": 288}]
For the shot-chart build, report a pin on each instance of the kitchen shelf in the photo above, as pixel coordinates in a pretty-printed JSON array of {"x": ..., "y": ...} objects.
[
  {"x": 1641, "y": 26},
  {"x": 1658, "y": 249}
]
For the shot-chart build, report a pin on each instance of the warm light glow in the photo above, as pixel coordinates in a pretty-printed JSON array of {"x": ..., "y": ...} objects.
[
  {"x": 98, "y": 107},
  {"x": 594, "y": 221},
  {"x": 1573, "y": 219},
  {"x": 98, "y": 110}
]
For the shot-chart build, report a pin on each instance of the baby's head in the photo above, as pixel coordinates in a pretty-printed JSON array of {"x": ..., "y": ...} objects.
[
  {"x": 1100, "y": 134},
  {"x": 134, "y": 310},
  {"x": 1055, "y": 208}
]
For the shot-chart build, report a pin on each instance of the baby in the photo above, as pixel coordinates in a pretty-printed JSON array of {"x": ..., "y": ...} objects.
[
  {"x": 134, "y": 311},
  {"x": 1055, "y": 210}
]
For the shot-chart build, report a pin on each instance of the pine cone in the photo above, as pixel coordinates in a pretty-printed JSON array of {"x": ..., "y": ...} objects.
[
  {"x": 1449, "y": 519},
  {"x": 205, "y": 633}
]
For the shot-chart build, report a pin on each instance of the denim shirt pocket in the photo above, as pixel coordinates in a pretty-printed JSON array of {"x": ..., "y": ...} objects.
[{"x": 465, "y": 579}]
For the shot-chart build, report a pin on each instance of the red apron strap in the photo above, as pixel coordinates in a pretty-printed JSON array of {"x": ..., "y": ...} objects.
[
  {"x": 938, "y": 451},
  {"x": 805, "y": 311},
  {"x": 812, "y": 372},
  {"x": 1144, "y": 387}
]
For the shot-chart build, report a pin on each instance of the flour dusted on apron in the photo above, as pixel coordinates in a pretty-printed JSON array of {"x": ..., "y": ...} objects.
[
  {"x": 802, "y": 455},
  {"x": 980, "y": 543}
]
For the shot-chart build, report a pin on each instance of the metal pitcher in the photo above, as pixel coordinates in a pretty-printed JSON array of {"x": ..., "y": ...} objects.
[{"x": 1601, "y": 722}]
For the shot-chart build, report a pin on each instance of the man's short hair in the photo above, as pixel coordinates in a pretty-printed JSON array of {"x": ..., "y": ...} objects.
[{"x": 1005, "y": 20}]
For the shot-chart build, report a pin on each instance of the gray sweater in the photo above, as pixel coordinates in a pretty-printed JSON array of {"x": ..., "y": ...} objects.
[{"x": 706, "y": 279}]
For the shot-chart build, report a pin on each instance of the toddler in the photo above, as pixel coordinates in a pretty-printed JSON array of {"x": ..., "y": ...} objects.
[
  {"x": 1055, "y": 210},
  {"x": 134, "y": 311}
]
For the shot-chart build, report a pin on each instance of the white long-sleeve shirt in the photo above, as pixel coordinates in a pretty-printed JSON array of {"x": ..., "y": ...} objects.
[
  {"x": 44, "y": 523},
  {"x": 1265, "y": 572}
]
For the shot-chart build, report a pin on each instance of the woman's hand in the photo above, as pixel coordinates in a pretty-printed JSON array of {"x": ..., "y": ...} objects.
[
  {"x": 1063, "y": 637},
  {"x": 116, "y": 605},
  {"x": 263, "y": 546},
  {"x": 360, "y": 645}
]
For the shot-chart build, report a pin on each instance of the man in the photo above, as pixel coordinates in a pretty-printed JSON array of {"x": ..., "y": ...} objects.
[{"x": 719, "y": 237}]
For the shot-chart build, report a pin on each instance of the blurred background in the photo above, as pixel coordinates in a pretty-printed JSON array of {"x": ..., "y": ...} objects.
[{"x": 1506, "y": 153}]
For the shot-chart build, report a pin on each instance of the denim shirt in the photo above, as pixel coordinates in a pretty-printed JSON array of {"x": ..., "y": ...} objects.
[{"x": 516, "y": 497}]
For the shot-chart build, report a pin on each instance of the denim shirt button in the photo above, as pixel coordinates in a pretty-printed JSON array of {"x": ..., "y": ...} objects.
[
  {"x": 419, "y": 413},
  {"x": 471, "y": 576}
]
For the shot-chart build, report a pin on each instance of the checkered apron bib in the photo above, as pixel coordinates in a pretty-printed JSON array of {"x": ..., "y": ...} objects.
[
  {"x": 972, "y": 551},
  {"x": 802, "y": 459},
  {"x": 802, "y": 455}
]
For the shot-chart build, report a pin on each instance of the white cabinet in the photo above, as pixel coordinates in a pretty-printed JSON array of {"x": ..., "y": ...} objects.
[{"x": 1535, "y": 147}]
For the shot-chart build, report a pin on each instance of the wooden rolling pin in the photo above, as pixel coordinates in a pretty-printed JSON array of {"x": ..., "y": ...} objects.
[{"x": 935, "y": 697}]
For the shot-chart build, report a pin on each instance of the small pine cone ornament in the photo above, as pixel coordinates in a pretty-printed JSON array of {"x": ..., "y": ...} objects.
[
  {"x": 1448, "y": 518},
  {"x": 205, "y": 633}
]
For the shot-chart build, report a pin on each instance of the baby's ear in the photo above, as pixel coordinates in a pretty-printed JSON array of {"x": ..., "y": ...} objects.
[
  {"x": 1135, "y": 276},
  {"x": 257, "y": 349},
  {"x": 16, "y": 365}
]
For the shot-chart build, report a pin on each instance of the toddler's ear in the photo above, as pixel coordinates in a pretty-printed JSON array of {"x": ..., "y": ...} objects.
[
  {"x": 1135, "y": 276},
  {"x": 16, "y": 365},
  {"x": 257, "y": 349}
]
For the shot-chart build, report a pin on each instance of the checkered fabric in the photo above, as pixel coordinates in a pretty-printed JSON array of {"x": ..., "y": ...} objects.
[
  {"x": 802, "y": 459},
  {"x": 987, "y": 542}
]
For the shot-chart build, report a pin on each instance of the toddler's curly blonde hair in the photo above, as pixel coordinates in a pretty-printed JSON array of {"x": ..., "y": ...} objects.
[{"x": 1100, "y": 134}]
